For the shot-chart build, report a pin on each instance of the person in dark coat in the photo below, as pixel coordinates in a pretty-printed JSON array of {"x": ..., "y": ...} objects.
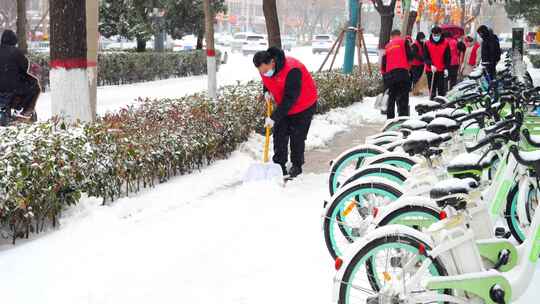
[
  {"x": 395, "y": 69},
  {"x": 437, "y": 61},
  {"x": 288, "y": 82},
  {"x": 14, "y": 77},
  {"x": 490, "y": 50}
]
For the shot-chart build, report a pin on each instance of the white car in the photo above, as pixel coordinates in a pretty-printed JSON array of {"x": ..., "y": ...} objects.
[
  {"x": 254, "y": 44},
  {"x": 238, "y": 41},
  {"x": 321, "y": 43}
]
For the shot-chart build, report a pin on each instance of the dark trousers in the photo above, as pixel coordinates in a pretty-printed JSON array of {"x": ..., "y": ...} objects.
[
  {"x": 437, "y": 85},
  {"x": 398, "y": 93},
  {"x": 452, "y": 76},
  {"x": 293, "y": 128},
  {"x": 491, "y": 70},
  {"x": 26, "y": 97},
  {"x": 416, "y": 73}
]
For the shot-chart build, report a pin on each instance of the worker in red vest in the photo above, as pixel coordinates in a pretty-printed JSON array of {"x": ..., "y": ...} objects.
[
  {"x": 395, "y": 71},
  {"x": 437, "y": 62},
  {"x": 290, "y": 84},
  {"x": 455, "y": 58},
  {"x": 472, "y": 56},
  {"x": 417, "y": 63}
]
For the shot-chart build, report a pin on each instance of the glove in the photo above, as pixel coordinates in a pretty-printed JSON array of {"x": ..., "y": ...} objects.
[
  {"x": 268, "y": 96},
  {"x": 433, "y": 69},
  {"x": 445, "y": 73},
  {"x": 268, "y": 122}
]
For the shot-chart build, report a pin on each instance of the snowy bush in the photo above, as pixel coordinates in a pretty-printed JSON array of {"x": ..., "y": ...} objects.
[
  {"x": 46, "y": 167},
  {"x": 535, "y": 60},
  {"x": 115, "y": 68}
]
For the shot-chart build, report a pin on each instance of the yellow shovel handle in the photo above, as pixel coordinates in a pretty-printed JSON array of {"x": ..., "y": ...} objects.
[{"x": 267, "y": 138}]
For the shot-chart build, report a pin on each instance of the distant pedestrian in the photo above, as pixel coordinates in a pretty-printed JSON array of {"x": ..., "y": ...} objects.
[
  {"x": 453, "y": 69},
  {"x": 472, "y": 56},
  {"x": 395, "y": 70},
  {"x": 417, "y": 63},
  {"x": 437, "y": 62},
  {"x": 490, "y": 49}
]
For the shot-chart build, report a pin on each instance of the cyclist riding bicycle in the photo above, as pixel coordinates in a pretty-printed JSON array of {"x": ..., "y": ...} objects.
[{"x": 17, "y": 87}]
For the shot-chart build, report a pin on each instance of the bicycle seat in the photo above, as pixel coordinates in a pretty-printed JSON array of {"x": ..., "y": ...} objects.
[
  {"x": 428, "y": 117},
  {"x": 450, "y": 113},
  {"x": 452, "y": 192},
  {"x": 442, "y": 125},
  {"x": 413, "y": 124},
  {"x": 466, "y": 165},
  {"x": 420, "y": 142},
  {"x": 441, "y": 100},
  {"x": 427, "y": 106},
  {"x": 475, "y": 75}
]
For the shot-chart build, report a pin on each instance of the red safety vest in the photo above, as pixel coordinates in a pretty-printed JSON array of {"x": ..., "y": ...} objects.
[
  {"x": 420, "y": 47},
  {"x": 396, "y": 55},
  {"x": 454, "y": 52},
  {"x": 436, "y": 53},
  {"x": 474, "y": 54},
  {"x": 308, "y": 91}
]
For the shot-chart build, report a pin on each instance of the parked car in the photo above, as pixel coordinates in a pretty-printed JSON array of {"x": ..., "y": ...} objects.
[
  {"x": 223, "y": 39},
  {"x": 253, "y": 44},
  {"x": 321, "y": 43},
  {"x": 39, "y": 46},
  {"x": 238, "y": 41},
  {"x": 505, "y": 41}
]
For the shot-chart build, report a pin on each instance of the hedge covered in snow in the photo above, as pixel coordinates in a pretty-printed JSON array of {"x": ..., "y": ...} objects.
[
  {"x": 46, "y": 167},
  {"x": 116, "y": 68}
]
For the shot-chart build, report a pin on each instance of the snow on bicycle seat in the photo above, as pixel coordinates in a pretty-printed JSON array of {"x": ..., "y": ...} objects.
[
  {"x": 452, "y": 192},
  {"x": 476, "y": 74},
  {"x": 413, "y": 124},
  {"x": 428, "y": 117},
  {"x": 466, "y": 164},
  {"x": 419, "y": 142},
  {"x": 426, "y": 106},
  {"x": 442, "y": 125},
  {"x": 450, "y": 113}
]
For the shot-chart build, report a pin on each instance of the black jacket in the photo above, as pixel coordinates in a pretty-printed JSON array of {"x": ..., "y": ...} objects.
[
  {"x": 491, "y": 50},
  {"x": 427, "y": 55},
  {"x": 293, "y": 85},
  {"x": 13, "y": 64}
]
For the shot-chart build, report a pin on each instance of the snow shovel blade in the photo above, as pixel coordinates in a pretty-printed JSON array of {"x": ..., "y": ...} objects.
[{"x": 264, "y": 171}]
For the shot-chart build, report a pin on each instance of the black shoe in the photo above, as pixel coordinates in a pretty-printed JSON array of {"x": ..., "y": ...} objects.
[
  {"x": 284, "y": 169},
  {"x": 295, "y": 171}
]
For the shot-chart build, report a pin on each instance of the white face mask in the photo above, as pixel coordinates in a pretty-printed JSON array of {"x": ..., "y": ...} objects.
[{"x": 269, "y": 73}]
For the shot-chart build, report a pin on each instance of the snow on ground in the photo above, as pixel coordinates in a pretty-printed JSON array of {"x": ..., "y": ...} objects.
[
  {"x": 238, "y": 68},
  {"x": 201, "y": 238}
]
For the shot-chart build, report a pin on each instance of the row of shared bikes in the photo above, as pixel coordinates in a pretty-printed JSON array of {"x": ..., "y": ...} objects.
[{"x": 441, "y": 208}]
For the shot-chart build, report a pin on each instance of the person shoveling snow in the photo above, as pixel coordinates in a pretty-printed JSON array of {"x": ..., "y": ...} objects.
[{"x": 289, "y": 83}]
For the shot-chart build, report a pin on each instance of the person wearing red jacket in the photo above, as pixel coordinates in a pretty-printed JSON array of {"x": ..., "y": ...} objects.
[
  {"x": 437, "y": 61},
  {"x": 417, "y": 63},
  {"x": 290, "y": 84},
  {"x": 395, "y": 69},
  {"x": 455, "y": 58},
  {"x": 472, "y": 56}
]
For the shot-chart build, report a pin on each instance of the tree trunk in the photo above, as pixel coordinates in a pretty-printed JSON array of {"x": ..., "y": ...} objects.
[
  {"x": 210, "y": 50},
  {"x": 70, "y": 89},
  {"x": 200, "y": 37},
  {"x": 387, "y": 20},
  {"x": 141, "y": 45},
  {"x": 272, "y": 23},
  {"x": 21, "y": 25},
  {"x": 410, "y": 22}
]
